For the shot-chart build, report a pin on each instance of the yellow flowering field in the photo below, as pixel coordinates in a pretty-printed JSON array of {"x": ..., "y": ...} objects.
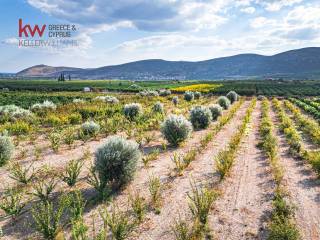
[{"x": 203, "y": 87}]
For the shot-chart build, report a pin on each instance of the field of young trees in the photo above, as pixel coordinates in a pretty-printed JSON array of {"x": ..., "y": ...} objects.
[
  {"x": 243, "y": 87},
  {"x": 160, "y": 164}
]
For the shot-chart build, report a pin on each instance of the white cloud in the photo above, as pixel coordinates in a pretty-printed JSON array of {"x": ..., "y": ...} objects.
[
  {"x": 149, "y": 15},
  {"x": 248, "y": 10},
  {"x": 276, "y": 5},
  {"x": 301, "y": 24},
  {"x": 262, "y": 22},
  {"x": 170, "y": 41},
  {"x": 180, "y": 47},
  {"x": 304, "y": 15},
  {"x": 10, "y": 41}
]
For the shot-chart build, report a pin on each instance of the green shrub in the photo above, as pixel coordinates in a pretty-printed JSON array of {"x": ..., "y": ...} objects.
[
  {"x": 132, "y": 110},
  {"x": 53, "y": 120},
  {"x": 75, "y": 118},
  {"x": 216, "y": 111},
  {"x": 90, "y": 128},
  {"x": 91, "y": 111},
  {"x": 176, "y": 129},
  {"x": 197, "y": 95},
  {"x": 158, "y": 107},
  {"x": 116, "y": 161},
  {"x": 188, "y": 96},
  {"x": 314, "y": 158},
  {"x": 224, "y": 102},
  {"x": 200, "y": 117},
  {"x": 19, "y": 128},
  {"x": 6, "y": 149},
  {"x": 232, "y": 96}
]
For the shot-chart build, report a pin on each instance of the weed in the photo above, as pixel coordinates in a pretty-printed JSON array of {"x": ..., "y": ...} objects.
[
  {"x": 200, "y": 201},
  {"x": 21, "y": 174},
  {"x": 119, "y": 222},
  {"x": 146, "y": 159},
  {"x": 11, "y": 202},
  {"x": 138, "y": 206},
  {"x": 100, "y": 186},
  {"x": 155, "y": 192},
  {"x": 182, "y": 230},
  {"x": 47, "y": 219},
  {"x": 43, "y": 189},
  {"x": 55, "y": 140},
  {"x": 71, "y": 172}
]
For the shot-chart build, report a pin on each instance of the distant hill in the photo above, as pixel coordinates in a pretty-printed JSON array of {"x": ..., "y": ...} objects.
[{"x": 295, "y": 64}]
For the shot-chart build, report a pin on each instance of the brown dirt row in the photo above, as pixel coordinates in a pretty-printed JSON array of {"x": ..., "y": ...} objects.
[{"x": 243, "y": 210}]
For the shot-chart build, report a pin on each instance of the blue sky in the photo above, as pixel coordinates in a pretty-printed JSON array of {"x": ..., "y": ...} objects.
[{"x": 113, "y": 32}]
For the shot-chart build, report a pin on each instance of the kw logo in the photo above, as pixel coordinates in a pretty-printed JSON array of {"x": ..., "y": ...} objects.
[{"x": 27, "y": 29}]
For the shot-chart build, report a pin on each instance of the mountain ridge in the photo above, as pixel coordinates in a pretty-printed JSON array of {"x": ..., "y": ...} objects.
[{"x": 294, "y": 64}]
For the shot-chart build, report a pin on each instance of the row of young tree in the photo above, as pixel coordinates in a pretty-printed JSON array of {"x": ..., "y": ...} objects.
[{"x": 62, "y": 78}]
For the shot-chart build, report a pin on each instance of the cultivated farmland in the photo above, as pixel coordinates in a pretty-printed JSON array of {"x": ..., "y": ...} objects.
[{"x": 190, "y": 160}]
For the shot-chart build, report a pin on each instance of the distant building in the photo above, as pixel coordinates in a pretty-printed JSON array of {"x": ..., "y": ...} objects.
[{"x": 87, "y": 89}]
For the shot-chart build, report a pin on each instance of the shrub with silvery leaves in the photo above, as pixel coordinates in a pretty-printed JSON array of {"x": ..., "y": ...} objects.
[
  {"x": 158, "y": 107},
  {"x": 107, "y": 99},
  {"x": 224, "y": 102},
  {"x": 175, "y": 129},
  {"x": 100, "y": 98},
  {"x": 232, "y": 96},
  {"x": 164, "y": 92},
  {"x": 78, "y": 100},
  {"x": 150, "y": 93},
  {"x": 200, "y": 117},
  {"x": 111, "y": 99},
  {"x": 13, "y": 113},
  {"x": 197, "y": 95},
  {"x": 116, "y": 161},
  {"x": 6, "y": 148},
  {"x": 90, "y": 128},
  {"x": 135, "y": 86},
  {"x": 188, "y": 96},
  {"x": 46, "y": 105},
  {"x": 216, "y": 111},
  {"x": 132, "y": 110}
]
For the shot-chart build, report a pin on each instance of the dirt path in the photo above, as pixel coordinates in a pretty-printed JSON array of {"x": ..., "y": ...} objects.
[
  {"x": 303, "y": 187},
  {"x": 175, "y": 198},
  {"x": 243, "y": 209}
]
